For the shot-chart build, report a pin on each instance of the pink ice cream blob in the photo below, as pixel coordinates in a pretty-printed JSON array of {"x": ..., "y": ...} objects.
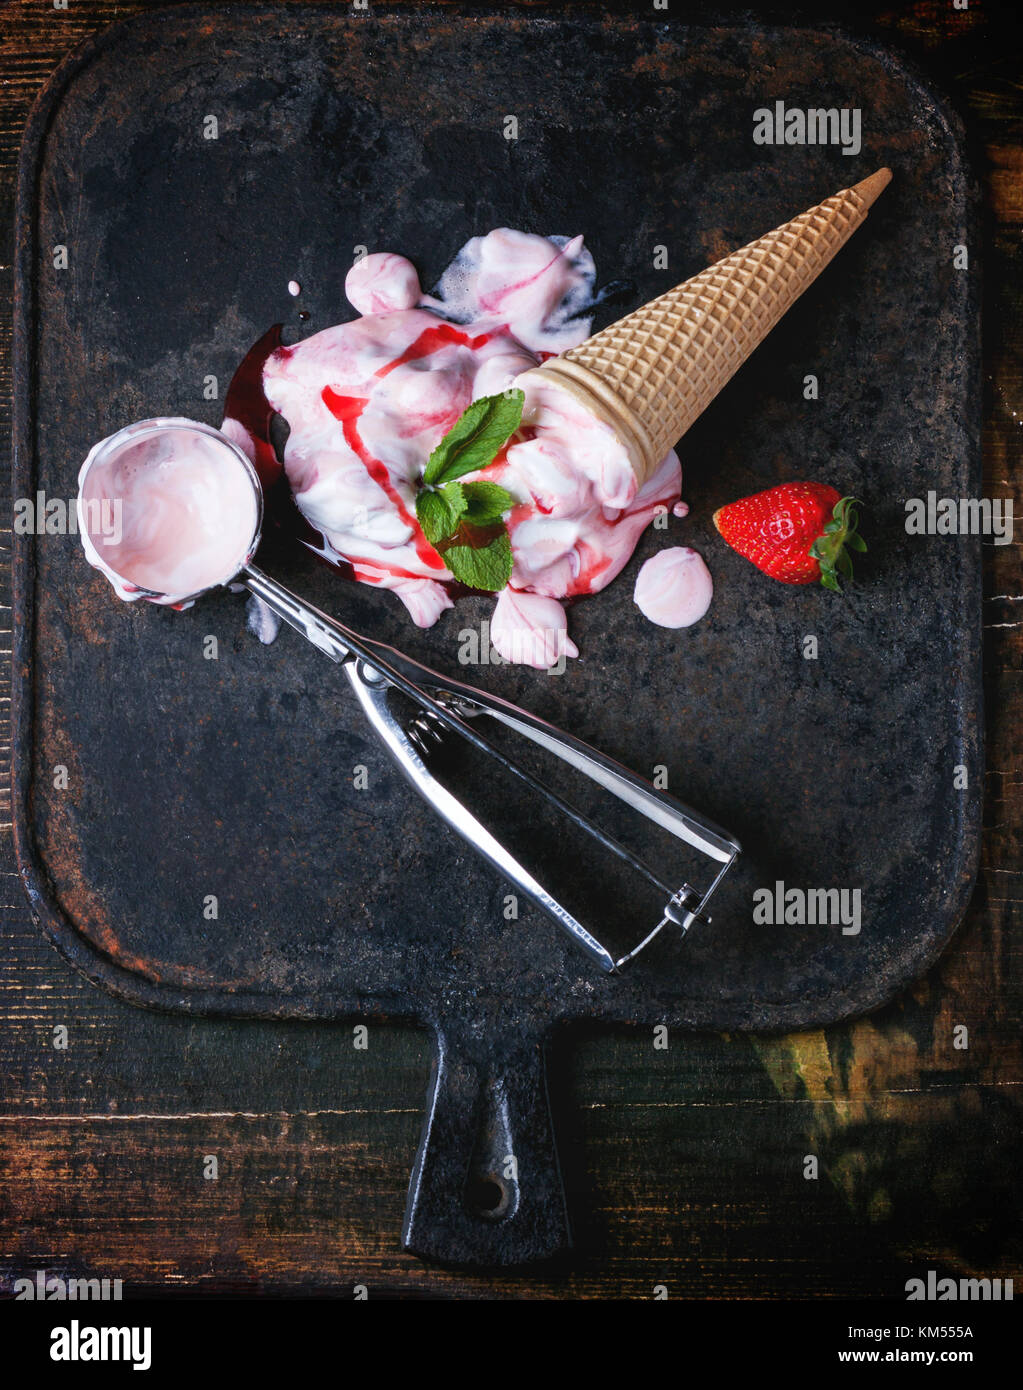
[
  {"x": 168, "y": 508},
  {"x": 674, "y": 587},
  {"x": 530, "y": 630},
  {"x": 382, "y": 284}
]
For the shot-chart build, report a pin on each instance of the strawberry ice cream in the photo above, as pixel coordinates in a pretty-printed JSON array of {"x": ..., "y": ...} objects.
[
  {"x": 366, "y": 402},
  {"x": 186, "y": 506}
]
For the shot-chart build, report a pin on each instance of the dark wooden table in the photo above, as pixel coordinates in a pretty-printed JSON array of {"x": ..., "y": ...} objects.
[{"x": 685, "y": 1166}]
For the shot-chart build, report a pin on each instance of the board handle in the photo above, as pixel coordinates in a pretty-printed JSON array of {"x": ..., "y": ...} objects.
[{"x": 486, "y": 1187}]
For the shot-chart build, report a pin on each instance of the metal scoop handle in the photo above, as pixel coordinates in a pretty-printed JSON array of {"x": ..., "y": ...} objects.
[{"x": 375, "y": 668}]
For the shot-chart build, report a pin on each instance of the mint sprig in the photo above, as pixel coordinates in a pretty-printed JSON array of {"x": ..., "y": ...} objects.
[{"x": 464, "y": 521}]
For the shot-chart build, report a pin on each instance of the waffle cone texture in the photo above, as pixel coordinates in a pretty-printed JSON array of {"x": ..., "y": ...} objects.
[{"x": 651, "y": 374}]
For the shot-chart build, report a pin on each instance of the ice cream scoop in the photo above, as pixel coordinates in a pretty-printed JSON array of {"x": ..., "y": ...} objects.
[{"x": 191, "y": 505}]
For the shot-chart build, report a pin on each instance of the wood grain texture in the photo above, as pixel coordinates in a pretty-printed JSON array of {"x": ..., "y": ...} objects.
[{"x": 684, "y": 1167}]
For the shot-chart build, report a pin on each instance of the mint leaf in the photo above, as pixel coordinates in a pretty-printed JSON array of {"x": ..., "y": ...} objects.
[
  {"x": 483, "y": 567},
  {"x": 454, "y": 499},
  {"x": 438, "y": 512},
  {"x": 475, "y": 438},
  {"x": 485, "y": 503},
  {"x": 464, "y": 522}
]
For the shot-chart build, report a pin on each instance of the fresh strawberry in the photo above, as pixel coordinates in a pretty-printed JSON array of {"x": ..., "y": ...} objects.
[{"x": 796, "y": 532}]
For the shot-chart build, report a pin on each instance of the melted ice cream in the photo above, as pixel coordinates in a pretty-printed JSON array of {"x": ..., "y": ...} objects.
[{"x": 367, "y": 401}]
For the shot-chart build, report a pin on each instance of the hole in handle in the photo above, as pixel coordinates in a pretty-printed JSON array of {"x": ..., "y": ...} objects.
[
  {"x": 486, "y": 1189},
  {"x": 490, "y": 1198}
]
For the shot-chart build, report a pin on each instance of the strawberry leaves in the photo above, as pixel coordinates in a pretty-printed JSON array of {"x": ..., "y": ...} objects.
[
  {"x": 464, "y": 521},
  {"x": 831, "y": 548}
]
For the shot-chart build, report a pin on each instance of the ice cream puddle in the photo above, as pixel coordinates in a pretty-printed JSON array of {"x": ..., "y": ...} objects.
[{"x": 367, "y": 401}]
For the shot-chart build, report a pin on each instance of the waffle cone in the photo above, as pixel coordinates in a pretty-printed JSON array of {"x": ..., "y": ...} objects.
[{"x": 653, "y": 372}]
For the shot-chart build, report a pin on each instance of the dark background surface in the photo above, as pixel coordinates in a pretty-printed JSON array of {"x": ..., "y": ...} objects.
[{"x": 685, "y": 1166}]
